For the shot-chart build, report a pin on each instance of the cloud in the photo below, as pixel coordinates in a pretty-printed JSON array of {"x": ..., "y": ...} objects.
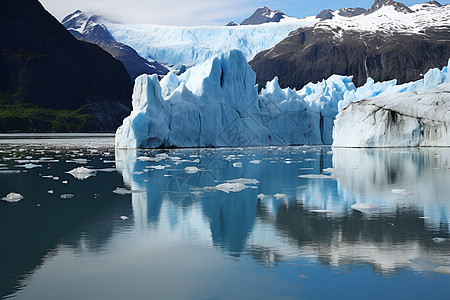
[{"x": 171, "y": 12}]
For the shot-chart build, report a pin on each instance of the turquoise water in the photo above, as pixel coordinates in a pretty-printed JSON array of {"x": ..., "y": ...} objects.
[{"x": 242, "y": 225}]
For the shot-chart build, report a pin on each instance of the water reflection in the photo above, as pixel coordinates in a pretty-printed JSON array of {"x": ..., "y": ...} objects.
[{"x": 307, "y": 217}]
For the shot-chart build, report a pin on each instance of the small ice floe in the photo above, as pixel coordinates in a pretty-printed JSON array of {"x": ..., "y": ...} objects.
[
  {"x": 67, "y": 196},
  {"x": 12, "y": 197},
  {"x": 108, "y": 161},
  {"x": 81, "y": 173},
  {"x": 243, "y": 181},
  {"x": 302, "y": 187},
  {"x": 64, "y": 182},
  {"x": 158, "y": 167},
  {"x": 146, "y": 158},
  {"x": 310, "y": 159},
  {"x": 124, "y": 191},
  {"x": 124, "y": 218},
  {"x": 330, "y": 153},
  {"x": 255, "y": 162},
  {"x": 288, "y": 162},
  {"x": 316, "y": 176},
  {"x": 237, "y": 164},
  {"x": 439, "y": 240},
  {"x": 426, "y": 218},
  {"x": 322, "y": 211},
  {"x": 442, "y": 270},
  {"x": 329, "y": 170},
  {"x": 261, "y": 196},
  {"x": 108, "y": 170},
  {"x": 9, "y": 171},
  {"x": 47, "y": 176},
  {"x": 228, "y": 187},
  {"x": 22, "y": 161},
  {"x": 191, "y": 170},
  {"x": 50, "y": 191},
  {"x": 280, "y": 196},
  {"x": 306, "y": 168},
  {"x": 29, "y": 166},
  {"x": 81, "y": 161},
  {"x": 364, "y": 207},
  {"x": 398, "y": 191},
  {"x": 138, "y": 173},
  {"x": 56, "y": 178}
]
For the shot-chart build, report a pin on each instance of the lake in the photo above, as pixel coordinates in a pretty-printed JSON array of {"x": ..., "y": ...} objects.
[{"x": 229, "y": 223}]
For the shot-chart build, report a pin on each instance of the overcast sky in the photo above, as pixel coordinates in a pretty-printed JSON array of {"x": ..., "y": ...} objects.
[{"x": 196, "y": 12}]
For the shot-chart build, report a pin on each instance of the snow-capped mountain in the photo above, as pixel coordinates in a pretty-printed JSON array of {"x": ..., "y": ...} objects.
[
  {"x": 390, "y": 41},
  {"x": 264, "y": 15},
  {"x": 327, "y": 14},
  {"x": 91, "y": 29}
]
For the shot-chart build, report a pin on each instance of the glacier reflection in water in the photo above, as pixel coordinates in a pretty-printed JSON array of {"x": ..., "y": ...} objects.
[{"x": 280, "y": 216}]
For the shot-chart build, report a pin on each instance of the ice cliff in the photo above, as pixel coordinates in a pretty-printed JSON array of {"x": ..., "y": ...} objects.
[{"x": 217, "y": 104}]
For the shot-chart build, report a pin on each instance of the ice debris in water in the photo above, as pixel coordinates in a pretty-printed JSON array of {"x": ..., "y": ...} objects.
[
  {"x": 237, "y": 164},
  {"x": 280, "y": 196},
  {"x": 81, "y": 173},
  {"x": 30, "y": 166},
  {"x": 12, "y": 197},
  {"x": 50, "y": 191},
  {"x": 124, "y": 218},
  {"x": 398, "y": 191},
  {"x": 255, "y": 162},
  {"x": 67, "y": 196},
  {"x": 243, "y": 181},
  {"x": 191, "y": 170},
  {"x": 439, "y": 240},
  {"x": 316, "y": 176},
  {"x": 231, "y": 187},
  {"x": 365, "y": 206},
  {"x": 124, "y": 191}
]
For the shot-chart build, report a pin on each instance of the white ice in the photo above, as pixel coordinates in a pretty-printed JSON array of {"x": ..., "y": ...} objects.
[{"x": 12, "y": 197}]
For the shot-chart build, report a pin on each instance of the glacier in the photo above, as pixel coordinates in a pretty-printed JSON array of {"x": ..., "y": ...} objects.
[
  {"x": 216, "y": 104},
  {"x": 184, "y": 45}
]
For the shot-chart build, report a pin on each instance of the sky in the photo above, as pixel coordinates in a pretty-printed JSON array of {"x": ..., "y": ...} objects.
[{"x": 196, "y": 12}]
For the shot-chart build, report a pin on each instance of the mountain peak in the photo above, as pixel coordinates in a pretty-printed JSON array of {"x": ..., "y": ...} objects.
[
  {"x": 398, "y": 6},
  {"x": 264, "y": 15}
]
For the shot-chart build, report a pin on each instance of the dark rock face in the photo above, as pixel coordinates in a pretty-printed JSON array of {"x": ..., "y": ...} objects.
[
  {"x": 45, "y": 65},
  {"x": 89, "y": 29},
  {"x": 311, "y": 54},
  {"x": 263, "y": 15},
  {"x": 351, "y": 12},
  {"x": 325, "y": 14},
  {"x": 232, "y": 24}
]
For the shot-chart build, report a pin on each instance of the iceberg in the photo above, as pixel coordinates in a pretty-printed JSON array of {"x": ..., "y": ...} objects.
[
  {"x": 409, "y": 119},
  {"x": 12, "y": 197},
  {"x": 216, "y": 104}
]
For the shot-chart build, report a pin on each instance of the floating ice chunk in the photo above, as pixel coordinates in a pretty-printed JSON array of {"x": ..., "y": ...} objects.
[
  {"x": 55, "y": 178},
  {"x": 108, "y": 170},
  {"x": 12, "y": 197},
  {"x": 124, "y": 218},
  {"x": 243, "y": 181},
  {"x": 442, "y": 269},
  {"x": 237, "y": 164},
  {"x": 407, "y": 194},
  {"x": 365, "y": 206},
  {"x": 65, "y": 182},
  {"x": 29, "y": 166},
  {"x": 255, "y": 162},
  {"x": 231, "y": 187},
  {"x": 47, "y": 176},
  {"x": 398, "y": 191},
  {"x": 67, "y": 196},
  {"x": 191, "y": 170},
  {"x": 50, "y": 191},
  {"x": 9, "y": 171},
  {"x": 439, "y": 240},
  {"x": 158, "y": 167},
  {"x": 280, "y": 196},
  {"x": 261, "y": 196},
  {"x": 316, "y": 176},
  {"x": 81, "y": 173},
  {"x": 322, "y": 211},
  {"x": 124, "y": 191}
]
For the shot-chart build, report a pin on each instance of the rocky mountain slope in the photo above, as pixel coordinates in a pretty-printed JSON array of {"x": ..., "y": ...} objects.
[
  {"x": 90, "y": 29},
  {"x": 390, "y": 41},
  {"x": 264, "y": 15},
  {"x": 52, "y": 82}
]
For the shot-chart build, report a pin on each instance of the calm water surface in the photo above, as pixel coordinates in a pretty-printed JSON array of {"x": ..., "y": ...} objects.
[{"x": 242, "y": 224}]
